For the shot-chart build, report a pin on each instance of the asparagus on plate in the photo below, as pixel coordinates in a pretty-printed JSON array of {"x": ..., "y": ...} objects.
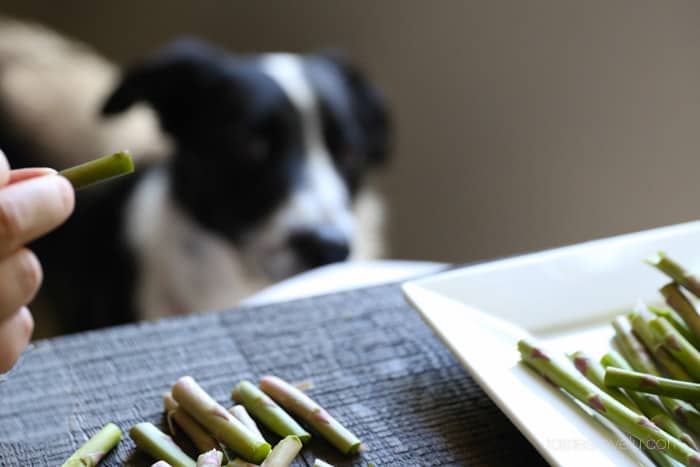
[{"x": 586, "y": 392}]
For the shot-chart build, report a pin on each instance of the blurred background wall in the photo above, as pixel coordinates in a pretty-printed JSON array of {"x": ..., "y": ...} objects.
[{"x": 521, "y": 125}]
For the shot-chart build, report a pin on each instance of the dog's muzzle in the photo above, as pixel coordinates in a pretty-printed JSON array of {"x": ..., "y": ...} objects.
[{"x": 320, "y": 246}]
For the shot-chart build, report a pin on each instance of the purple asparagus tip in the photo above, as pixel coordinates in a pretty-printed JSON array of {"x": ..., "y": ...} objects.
[
  {"x": 539, "y": 353},
  {"x": 673, "y": 343},
  {"x": 680, "y": 414},
  {"x": 322, "y": 416},
  {"x": 649, "y": 381},
  {"x": 221, "y": 413},
  {"x": 694, "y": 460},
  {"x": 596, "y": 403},
  {"x": 646, "y": 422},
  {"x": 581, "y": 364}
]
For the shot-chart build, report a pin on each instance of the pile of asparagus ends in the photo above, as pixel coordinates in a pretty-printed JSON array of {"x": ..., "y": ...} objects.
[
  {"x": 227, "y": 437},
  {"x": 649, "y": 385},
  {"x": 232, "y": 437}
]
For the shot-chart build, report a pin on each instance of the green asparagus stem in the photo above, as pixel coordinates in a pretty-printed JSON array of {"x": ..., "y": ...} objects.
[
  {"x": 221, "y": 424},
  {"x": 640, "y": 325},
  {"x": 679, "y": 347},
  {"x": 676, "y": 272},
  {"x": 97, "y": 447},
  {"x": 284, "y": 452},
  {"x": 677, "y": 322},
  {"x": 579, "y": 387},
  {"x": 242, "y": 415},
  {"x": 240, "y": 463},
  {"x": 194, "y": 431},
  {"x": 211, "y": 458},
  {"x": 106, "y": 167},
  {"x": 161, "y": 464},
  {"x": 649, "y": 404},
  {"x": 267, "y": 411},
  {"x": 687, "y": 415},
  {"x": 679, "y": 302},
  {"x": 614, "y": 359},
  {"x": 633, "y": 350},
  {"x": 303, "y": 406},
  {"x": 596, "y": 374},
  {"x": 321, "y": 463},
  {"x": 159, "y": 445},
  {"x": 651, "y": 384}
]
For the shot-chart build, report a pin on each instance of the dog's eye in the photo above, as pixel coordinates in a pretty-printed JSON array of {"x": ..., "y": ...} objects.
[{"x": 258, "y": 150}]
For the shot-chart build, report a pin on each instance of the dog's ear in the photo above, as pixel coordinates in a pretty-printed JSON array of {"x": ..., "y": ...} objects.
[
  {"x": 369, "y": 106},
  {"x": 172, "y": 82}
]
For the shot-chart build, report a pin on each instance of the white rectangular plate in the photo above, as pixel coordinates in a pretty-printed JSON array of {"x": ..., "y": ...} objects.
[{"x": 567, "y": 298}]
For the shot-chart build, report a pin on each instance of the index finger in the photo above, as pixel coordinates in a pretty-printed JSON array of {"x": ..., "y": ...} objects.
[
  {"x": 4, "y": 170},
  {"x": 31, "y": 208}
]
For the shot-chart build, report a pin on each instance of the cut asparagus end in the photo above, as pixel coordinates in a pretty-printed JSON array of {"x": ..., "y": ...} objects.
[
  {"x": 98, "y": 170},
  {"x": 283, "y": 453},
  {"x": 298, "y": 403},
  {"x": 92, "y": 452},
  {"x": 244, "y": 417},
  {"x": 159, "y": 445},
  {"x": 267, "y": 411},
  {"x": 218, "y": 421},
  {"x": 211, "y": 458},
  {"x": 321, "y": 463}
]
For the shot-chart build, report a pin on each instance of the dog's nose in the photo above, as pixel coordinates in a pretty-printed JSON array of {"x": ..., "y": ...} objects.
[{"x": 321, "y": 246}]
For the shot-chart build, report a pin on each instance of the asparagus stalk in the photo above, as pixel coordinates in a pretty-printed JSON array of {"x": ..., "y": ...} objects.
[
  {"x": 676, "y": 272},
  {"x": 579, "y": 387},
  {"x": 240, "y": 463},
  {"x": 267, "y": 411},
  {"x": 640, "y": 325},
  {"x": 633, "y": 350},
  {"x": 303, "y": 406},
  {"x": 648, "y": 404},
  {"x": 96, "y": 448},
  {"x": 596, "y": 374},
  {"x": 283, "y": 453},
  {"x": 161, "y": 464},
  {"x": 687, "y": 415},
  {"x": 677, "y": 345},
  {"x": 242, "y": 415},
  {"x": 677, "y": 322},
  {"x": 220, "y": 423},
  {"x": 196, "y": 432},
  {"x": 651, "y": 384},
  {"x": 159, "y": 445},
  {"x": 211, "y": 458},
  {"x": 321, "y": 463},
  {"x": 679, "y": 302},
  {"x": 106, "y": 167}
]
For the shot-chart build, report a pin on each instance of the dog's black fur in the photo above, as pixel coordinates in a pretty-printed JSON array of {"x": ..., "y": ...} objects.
[{"x": 238, "y": 155}]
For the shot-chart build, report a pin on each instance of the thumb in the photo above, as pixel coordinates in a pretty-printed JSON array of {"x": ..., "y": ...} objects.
[{"x": 18, "y": 175}]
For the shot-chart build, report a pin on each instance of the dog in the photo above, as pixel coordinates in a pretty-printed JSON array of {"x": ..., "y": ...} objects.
[{"x": 265, "y": 177}]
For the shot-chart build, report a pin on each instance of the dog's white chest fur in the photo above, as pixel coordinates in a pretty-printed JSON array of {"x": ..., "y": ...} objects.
[{"x": 183, "y": 268}]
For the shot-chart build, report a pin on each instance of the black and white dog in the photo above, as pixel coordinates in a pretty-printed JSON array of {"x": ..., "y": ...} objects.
[{"x": 269, "y": 156}]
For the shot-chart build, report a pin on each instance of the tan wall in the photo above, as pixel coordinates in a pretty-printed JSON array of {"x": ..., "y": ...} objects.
[{"x": 523, "y": 125}]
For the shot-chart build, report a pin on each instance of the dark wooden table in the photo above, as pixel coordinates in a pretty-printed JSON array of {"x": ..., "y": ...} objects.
[{"x": 375, "y": 366}]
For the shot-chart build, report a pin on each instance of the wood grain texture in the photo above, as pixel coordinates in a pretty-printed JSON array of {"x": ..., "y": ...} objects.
[{"x": 374, "y": 364}]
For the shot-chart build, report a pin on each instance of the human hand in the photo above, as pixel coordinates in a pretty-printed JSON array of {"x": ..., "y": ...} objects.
[{"x": 32, "y": 202}]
